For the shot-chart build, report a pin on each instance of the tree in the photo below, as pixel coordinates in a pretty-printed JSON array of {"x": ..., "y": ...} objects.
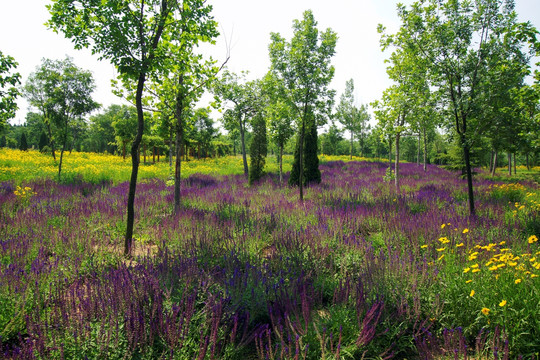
[
  {"x": 102, "y": 134},
  {"x": 352, "y": 118},
  {"x": 458, "y": 42},
  {"x": 279, "y": 114},
  {"x": 331, "y": 139},
  {"x": 244, "y": 102},
  {"x": 135, "y": 37},
  {"x": 24, "y": 144},
  {"x": 303, "y": 65},
  {"x": 42, "y": 141},
  {"x": 62, "y": 92},
  {"x": 258, "y": 148},
  {"x": 8, "y": 90},
  {"x": 185, "y": 76}
]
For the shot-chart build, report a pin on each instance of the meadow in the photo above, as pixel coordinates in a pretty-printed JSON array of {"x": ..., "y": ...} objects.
[{"x": 356, "y": 271}]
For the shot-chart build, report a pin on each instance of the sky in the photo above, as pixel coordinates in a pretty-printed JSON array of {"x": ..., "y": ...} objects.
[{"x": 245, "y": 25}]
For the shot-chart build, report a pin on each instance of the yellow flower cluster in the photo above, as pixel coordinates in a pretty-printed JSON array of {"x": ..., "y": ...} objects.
[
  {"x": 503, "y": 260},
  {"x": 24, "y": 193}
]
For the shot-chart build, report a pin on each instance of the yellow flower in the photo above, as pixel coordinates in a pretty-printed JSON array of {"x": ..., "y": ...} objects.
[
  {"x": 476, "y": 270},
  {"x": 460, "y": 245},
  {"x": 468, "y": 281},
  {"x": 517, "y": 281},
  {"x": 493, "y": 268},
  {"x": 532, "y": 239},
  {"x": 441, "y": 249},
  {"x": 444, "y": 240},
  {"x": 423, "y": 246},
  {"x": 502, "y": 243},
  {"x": 443, "y": 226},
  {"x": 466, "y": 270},
  {"x": 474, "y": 266},
  {"x": 440, "y": 257},
  {"x": 485, "y": 311},
  {"x": 465, "y": 231},
  {"x": 472, "y": 293},
  {"x": 534, "y": 275},
  {"x": 502, "y": 303}
]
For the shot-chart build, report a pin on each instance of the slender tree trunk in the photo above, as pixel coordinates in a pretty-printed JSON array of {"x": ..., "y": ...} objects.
[
  {"x": 425, "y": 150},
  {"x": 242, "y": 140},
  {"x": 494, "y": 169},
  {"x": 467, "y": 155},
  {"x": 124, "y": 150},
  {"x": 396, "y": 166},
  {"x": 419, "y": 147},
  {"x": 492, "y": 155},
  {"x": 352, "y": 140},
  {"x": 153, "y": 154},
  {"x": 515, "y": 165},
  {"x": 135, "y": 166},
  {"x": 527, "y": 161},
  {"x": 61, "y": 159},
  {"x": 509, "y": 156},
  {"x": 389, "y": 151},
  {"x": 179, "y": 143},
  {"x": 281, "y": 164}
]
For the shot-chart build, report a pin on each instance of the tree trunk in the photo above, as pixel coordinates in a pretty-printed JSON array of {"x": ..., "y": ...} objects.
[
  {"x": 467, "y": 155},
  {"x": 170, "y": 152},
  {"x": 494, "y": 169},
  {"x": 124, "y": 150},
  {"x": 491, "y": 161},
  {"x": 281, "y": 164},
  {"x": 396, "y": 166},
  {"x": 425, "y": 150},
  {"x": 153, "y": 154},
  {"x": 135, "y": 166},
  {"x": 242, "y": 140},
  {"x": 352, "y": 139},
  {"x": 509, "y": 156},
  {"x": 419, "y": 147},
  {"x": 527, "y": 161},
  {"x": 61, "y": 159},
  {"x": 515, "y": 166}
]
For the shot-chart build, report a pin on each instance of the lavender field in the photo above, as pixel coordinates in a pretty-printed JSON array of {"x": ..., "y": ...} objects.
[{"x": 355, "y": 271}]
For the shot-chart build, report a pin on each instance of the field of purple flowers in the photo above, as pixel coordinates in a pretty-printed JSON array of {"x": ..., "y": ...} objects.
[{"x": 355, "y": 271}]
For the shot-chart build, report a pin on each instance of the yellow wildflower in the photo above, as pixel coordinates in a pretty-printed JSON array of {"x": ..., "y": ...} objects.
[
  {"x": 441, "y": 249},
  {"x": 460, "y": 245},
  {"x": 465, "y": 231},
  {"x": 476, "y": 270},
  {"x": 517, "y": 281},
  {"x": 532, "y": 239},
  {"x": 423, "y": 246},
  {"x": 472, "y": 293},
  {"x": 502, "y": 303},
  {"x": 468, "y": 281},
  {"x": 485, "y": 311},
  {"x": 440, "y": 257},
  {"x": 502, "y": 243},
  {"x": 466, "y": 270},
  {"x": 443, "y": 226}
]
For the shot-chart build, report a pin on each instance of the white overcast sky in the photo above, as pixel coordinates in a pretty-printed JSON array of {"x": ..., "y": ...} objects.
[{"x": 247, "y": 25}]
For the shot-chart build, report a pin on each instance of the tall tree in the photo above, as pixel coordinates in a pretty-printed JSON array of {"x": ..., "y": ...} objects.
[
  {"x": 279, "y": 114},
  {"x": 458, "y": 41},
  {"x": 62, "y": 92},
  {"x": 8, "y": 89},
  {"x": 303, "y": 65},
  {"x": 23, "y": 144},
  {"x": 258, "y": 148},
  {"x": 244, "y": 103},
  {"x": 352, "y": 118},
  {"x": 129, "y": 33}
]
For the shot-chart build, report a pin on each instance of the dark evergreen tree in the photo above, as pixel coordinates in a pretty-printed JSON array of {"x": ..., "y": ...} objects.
[
  {"x": 312, "y": 174},
  {"x": 3, "y": 141},
  {"x": 42, "y": 141},
  {"x": 258, "y": 149},
  {"x": 24, "y": 143}
]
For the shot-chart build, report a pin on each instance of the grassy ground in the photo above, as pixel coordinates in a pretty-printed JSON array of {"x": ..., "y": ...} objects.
[{"x": 358, "y": 270}]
